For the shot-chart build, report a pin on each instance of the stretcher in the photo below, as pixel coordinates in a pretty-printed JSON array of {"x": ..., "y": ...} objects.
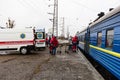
[
  {"x": 63, "y": 45},
  {"x": 59, "y": 49}
]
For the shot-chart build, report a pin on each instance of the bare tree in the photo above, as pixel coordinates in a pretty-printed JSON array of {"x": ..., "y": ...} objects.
[{"x": 10, "y": 23}]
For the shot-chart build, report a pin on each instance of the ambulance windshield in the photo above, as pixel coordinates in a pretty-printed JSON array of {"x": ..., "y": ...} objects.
[{"x": 40, "y": 35}]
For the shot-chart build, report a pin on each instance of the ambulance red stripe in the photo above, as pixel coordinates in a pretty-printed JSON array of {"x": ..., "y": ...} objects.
[
  {"x": 16, "y": 42},
  {"x": 40, "y": 40}
]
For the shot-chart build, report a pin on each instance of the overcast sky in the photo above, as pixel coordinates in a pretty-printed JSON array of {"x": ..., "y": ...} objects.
[{"x": 77, "y": 13}]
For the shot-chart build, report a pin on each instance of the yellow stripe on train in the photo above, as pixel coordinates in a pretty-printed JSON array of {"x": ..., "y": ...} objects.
[
  {"x": 106, "y": 51},
  {"x": 81, "y": 42}
]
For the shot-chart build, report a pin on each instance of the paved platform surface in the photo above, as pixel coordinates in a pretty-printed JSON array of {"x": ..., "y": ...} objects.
[
  {"x": 67, "y": 66},
  {"x": 41, "y": 65}
]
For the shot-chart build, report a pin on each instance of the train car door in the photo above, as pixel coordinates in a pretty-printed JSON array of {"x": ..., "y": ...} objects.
[{"x": 87, "y": 40}]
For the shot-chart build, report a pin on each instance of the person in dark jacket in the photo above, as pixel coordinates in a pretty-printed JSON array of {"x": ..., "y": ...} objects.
[
  {"x": 50, "y": 47},
  {"x": 46, "y": 40}
]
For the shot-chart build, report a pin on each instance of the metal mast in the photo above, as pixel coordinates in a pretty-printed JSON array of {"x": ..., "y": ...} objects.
[
  {"x": 55, "y": 18},
  {"x": 68, "y": 32},
  {"x": 62, "y": 27}
]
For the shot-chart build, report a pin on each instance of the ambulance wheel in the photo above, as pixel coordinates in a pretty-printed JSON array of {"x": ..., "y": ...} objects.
[{"x": 23, "y": 50}]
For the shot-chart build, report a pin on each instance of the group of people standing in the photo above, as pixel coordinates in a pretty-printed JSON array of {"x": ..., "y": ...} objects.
[{"x": 53, "y": 44}]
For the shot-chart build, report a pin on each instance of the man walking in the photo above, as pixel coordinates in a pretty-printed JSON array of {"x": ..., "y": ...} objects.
[{"x": 54, "y": 44}]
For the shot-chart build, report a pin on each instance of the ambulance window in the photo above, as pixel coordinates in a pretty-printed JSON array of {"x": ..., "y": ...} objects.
[
  {"x": 39, "y": 35},
  {"x": 99, "y": 40},
  {"x": 109, "y": 38}
]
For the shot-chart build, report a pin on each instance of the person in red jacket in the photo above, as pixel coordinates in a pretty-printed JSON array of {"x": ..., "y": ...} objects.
[
  {"x": 46, "y": 40},
  {"x": 54, "y": 44},
  {"x": 50, "y": 46},
  {"x": 74, "y": 43}
]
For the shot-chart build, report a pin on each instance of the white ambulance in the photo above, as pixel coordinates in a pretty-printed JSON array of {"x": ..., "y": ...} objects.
[
  {"x": 40, "y": 38},
  {"x": 23, "y": 40}
]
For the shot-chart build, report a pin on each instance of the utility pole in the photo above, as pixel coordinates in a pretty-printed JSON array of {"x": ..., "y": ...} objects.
[
  {"x": 68, "y": 32},
  {"x": 62, "y": 26},
  {"x": 55, "y": 18}
]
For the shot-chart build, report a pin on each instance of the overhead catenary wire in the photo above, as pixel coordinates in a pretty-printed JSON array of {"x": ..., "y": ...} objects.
[
  {"x": 28, "y": 6},
  {"x": 82, "y": 5},
  {"x": 91, "y": 9},
  {"x": 35, "y": 4},
  {"x": 117, "y": 2},
  {"x": 32, "y": 6}
]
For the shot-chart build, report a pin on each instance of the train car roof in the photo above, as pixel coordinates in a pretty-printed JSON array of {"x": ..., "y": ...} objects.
[{"x": 109, "y": 14}]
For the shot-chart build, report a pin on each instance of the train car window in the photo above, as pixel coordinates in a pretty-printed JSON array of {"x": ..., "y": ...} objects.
[
  {"x": 83, "y": 37},
  {"x": 109, "y": 39},
  {"x": 80, "y": 38},
  {"x": 99, "y": 40}
]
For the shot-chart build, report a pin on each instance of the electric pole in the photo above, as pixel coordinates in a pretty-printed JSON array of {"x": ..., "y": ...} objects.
[
  {"x": 68, "y": 32},
  {"x": 55, "y": 18},
  {"x": 62, "y": 26}
]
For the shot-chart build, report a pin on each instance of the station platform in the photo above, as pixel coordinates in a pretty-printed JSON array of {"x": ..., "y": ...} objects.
[{"x": 68, "y": 66}]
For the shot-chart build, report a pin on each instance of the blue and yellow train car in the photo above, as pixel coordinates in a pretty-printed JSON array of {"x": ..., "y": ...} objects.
[{"x": 101, "y": 40}]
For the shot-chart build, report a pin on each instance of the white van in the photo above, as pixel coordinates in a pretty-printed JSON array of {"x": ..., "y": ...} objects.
[{"x": 22, "y": 40}]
